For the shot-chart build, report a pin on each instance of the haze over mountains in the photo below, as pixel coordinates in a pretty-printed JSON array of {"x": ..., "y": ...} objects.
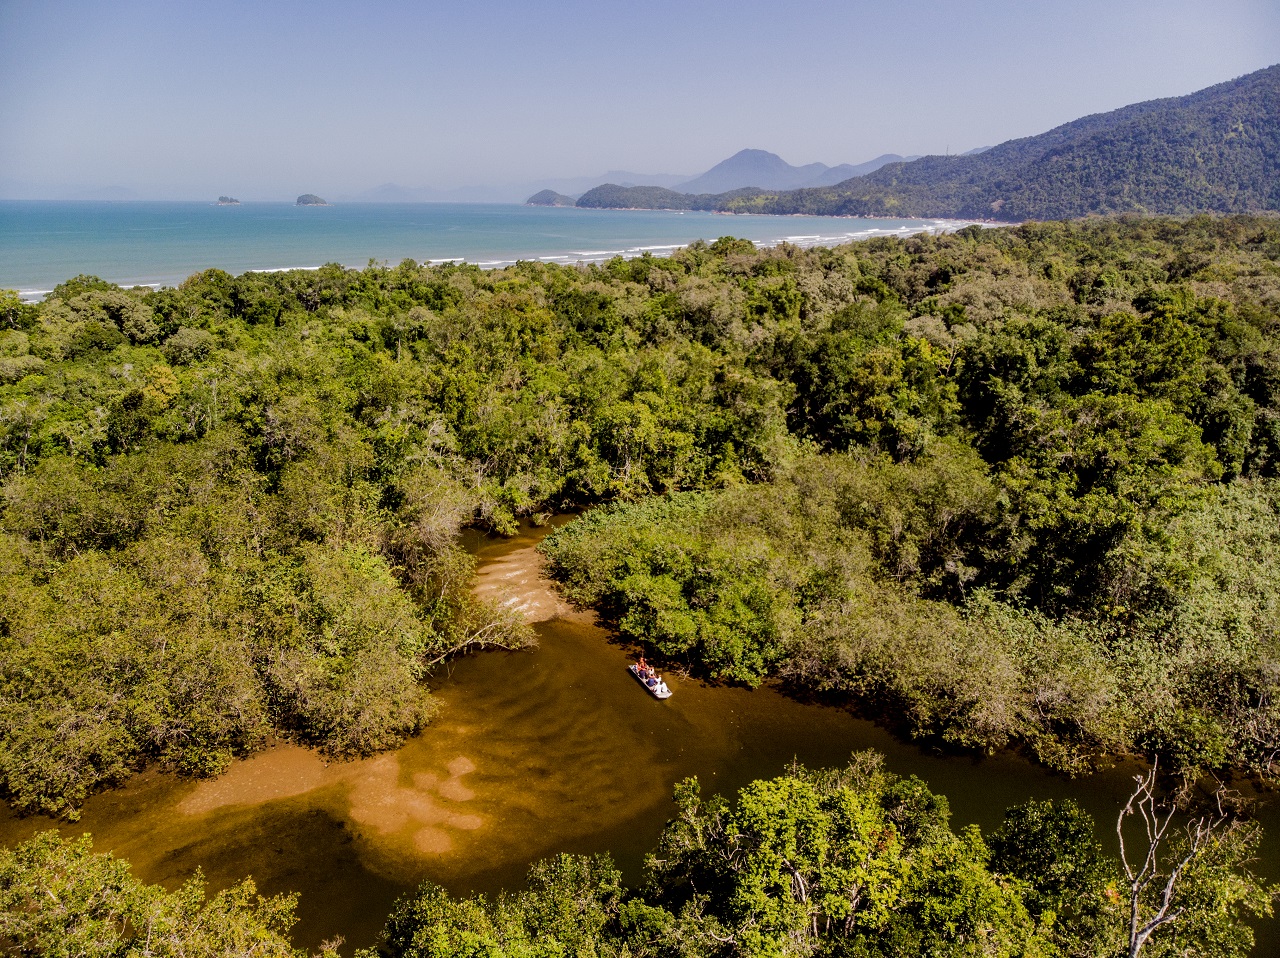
[
  {"x": 746, "y": 168},
  {"x": 511, "y": 192},
  {"x": 768, "y": 171},
  {"x": 1217, "y": 151}
]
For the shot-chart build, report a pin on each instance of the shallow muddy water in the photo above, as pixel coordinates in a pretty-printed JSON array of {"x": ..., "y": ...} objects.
[{"x": 557, "y": 749}]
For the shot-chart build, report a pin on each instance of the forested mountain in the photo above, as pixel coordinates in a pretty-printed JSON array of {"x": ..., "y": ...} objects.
[{"x": 1217, "y": 150}]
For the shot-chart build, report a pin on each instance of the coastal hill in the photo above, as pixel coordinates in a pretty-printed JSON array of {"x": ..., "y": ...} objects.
[
  {"x": 613, "y": 197},
  {"x": 549, "y": 198},
  {"x": 310, "y": 199},
  {"x": 1217, "y": 150},
  {"x": 768, "y": 171}
]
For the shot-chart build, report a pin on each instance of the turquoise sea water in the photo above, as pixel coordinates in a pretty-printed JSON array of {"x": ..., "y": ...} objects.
[{"x": 44, "y": 243}]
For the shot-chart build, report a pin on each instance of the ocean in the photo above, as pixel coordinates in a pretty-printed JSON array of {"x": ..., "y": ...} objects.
[{"x": 43, "y": 243}]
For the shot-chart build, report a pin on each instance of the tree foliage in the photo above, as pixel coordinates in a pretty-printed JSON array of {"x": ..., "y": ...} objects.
[
  {"x": 59, "y": 899},
  {"x": 848, "y": 862}
]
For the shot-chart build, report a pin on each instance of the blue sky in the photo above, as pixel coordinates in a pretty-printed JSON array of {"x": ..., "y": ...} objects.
[{"x": 268, "y": 99}]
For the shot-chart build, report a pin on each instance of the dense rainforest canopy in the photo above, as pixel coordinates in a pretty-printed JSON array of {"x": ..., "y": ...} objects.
[
  {"x": 1001, "y": 486},
  {"x": 1215, "y": 150},
  {"x": 1011, "y": 487}
]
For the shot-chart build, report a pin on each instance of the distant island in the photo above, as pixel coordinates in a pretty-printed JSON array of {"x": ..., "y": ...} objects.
[
  {"x": 550, "y": 198},
  {"x": 228, "y": 201},
  {"x": 310, "y": 199}
]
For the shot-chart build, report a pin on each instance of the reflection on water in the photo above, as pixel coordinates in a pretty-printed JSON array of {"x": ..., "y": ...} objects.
[{"x": 532, "y": 753}]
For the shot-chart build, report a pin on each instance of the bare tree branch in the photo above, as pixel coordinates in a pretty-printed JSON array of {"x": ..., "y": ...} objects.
[{"x": 1157, "y": 877}]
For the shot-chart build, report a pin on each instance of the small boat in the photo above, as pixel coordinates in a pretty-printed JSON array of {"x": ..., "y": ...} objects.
[{"x": 657, "y": 688}]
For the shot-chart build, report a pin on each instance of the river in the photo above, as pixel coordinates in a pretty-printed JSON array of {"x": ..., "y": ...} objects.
[{"x": 556, "y": 749}]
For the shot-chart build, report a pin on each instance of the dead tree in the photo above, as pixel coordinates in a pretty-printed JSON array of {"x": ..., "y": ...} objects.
[{"x": 1154, "y": 874}]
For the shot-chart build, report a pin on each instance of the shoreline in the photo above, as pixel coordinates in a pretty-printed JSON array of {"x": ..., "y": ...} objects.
[
  {"x": 826, "y": 231},
  {"x": 816, "y": 216}
]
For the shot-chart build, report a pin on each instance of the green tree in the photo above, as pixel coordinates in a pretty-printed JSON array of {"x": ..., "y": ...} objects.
[{"x": 59, "y": 899}]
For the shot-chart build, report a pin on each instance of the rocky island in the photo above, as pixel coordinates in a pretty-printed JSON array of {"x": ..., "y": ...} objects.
[
  {"x": 310, "y": 199},
  {"x": 228, "y": 201}
]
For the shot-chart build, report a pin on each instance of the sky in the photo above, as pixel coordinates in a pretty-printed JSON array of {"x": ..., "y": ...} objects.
[{"x": 264, "y": 100}]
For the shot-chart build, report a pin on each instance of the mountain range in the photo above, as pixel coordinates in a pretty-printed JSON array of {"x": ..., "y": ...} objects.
[
  {"x": 768, "y": 171},
  {"x": 1217, "y": 150},
  {"x": 746, "y": 168}
]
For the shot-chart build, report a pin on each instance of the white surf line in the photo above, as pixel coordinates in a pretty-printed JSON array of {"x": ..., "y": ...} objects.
[
  {"x": 804, "y": 241},
  {"x": 36, "y": 295}
]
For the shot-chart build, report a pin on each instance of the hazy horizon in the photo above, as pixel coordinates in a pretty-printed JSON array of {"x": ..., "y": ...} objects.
[{"x": 146, "y": 100}]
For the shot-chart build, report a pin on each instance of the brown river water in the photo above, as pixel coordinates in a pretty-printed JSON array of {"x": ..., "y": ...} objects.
[{"x": 557, "y": 749}]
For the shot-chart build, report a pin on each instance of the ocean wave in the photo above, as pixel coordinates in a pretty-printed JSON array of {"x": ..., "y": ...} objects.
[{"x": 803, "y": 240}]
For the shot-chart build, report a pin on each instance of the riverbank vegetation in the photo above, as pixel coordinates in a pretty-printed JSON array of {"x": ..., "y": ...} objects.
[
  {"x": 846, "y": 862},
  {"x": 1004, "y": 486},
  {"x": 893, "y": 583}
]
